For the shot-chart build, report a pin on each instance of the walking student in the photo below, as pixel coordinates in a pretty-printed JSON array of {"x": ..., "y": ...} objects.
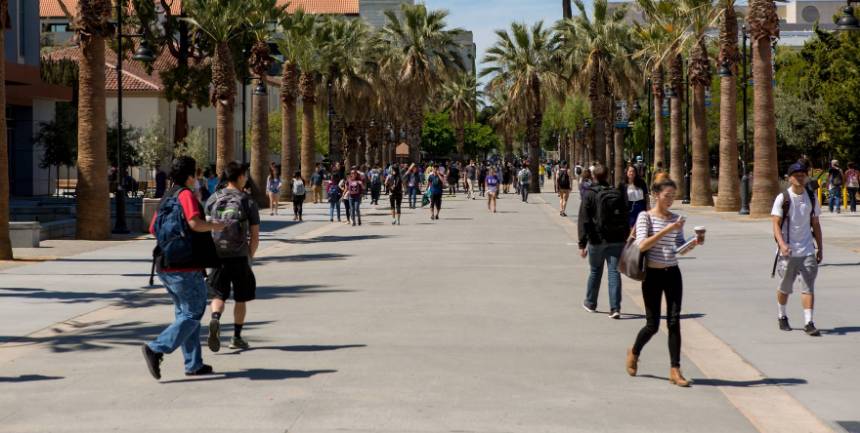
[
  {"x": 180, "y": 266},
  {"x": 835, "y": 180},
  {"x": 852, "y": 185},
  {"x": 471, "y": 177},
  {"x": 563, "y": 185},
  {"x": 273, "y": 187},
  {"x": 394, "y": 185},
  {"x": 355, "y": 191},
  {"x": 482, "y": 179},
  {"x": 492, "y": 187},
  {"x": 659, "y": 232},
  {"x": 317, "y": 184},
  {"x": 299, "y": 192},
  {"x": 436, "y": 186},
  {"x": 524, "y": 179},
  {"x": 413, "y": 185},
  {"x": 637, "y": 194},
  {"x": 236, "y": 245},
  {"x": 335, "y": 192},
  {"x": 603, "y": 229},
  {"x": 796, "y": 225},
  {"x": 375, "y": 185}
]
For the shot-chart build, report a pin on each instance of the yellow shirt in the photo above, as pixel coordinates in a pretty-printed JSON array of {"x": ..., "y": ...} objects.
[{"x": 541, "y": 170}]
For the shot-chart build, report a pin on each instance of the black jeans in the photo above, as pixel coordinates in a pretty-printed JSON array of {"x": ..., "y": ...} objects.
[
  {"x": 657, "y": 283},
  {"x": 298, "y": 201},
  {"x": 524, "y": 190},
  {"x": 852, "y": 198}
]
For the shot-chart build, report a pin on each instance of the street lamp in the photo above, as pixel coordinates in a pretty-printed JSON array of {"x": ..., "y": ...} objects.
[
  {"x": 745, "y": 180},
  {"x": 847, "y": 22},
  {"x": 687, "y": 177},
  {"x": 142, "y": 54}
]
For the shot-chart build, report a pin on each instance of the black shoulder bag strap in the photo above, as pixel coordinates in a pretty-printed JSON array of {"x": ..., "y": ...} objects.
[{"x": 786, "y": 207}]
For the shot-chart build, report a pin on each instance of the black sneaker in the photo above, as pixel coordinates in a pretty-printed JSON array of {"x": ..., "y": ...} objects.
[
  {"x": 811, "y": 330},
  {"x": 214, "y": 335},
  {"x": 202, "y": 371},
  {"x": 589, "y": 308},
  {"x": 783, "y": 324},
  {"x": 615, "y": 314},
  {"x": 153, "y": 361}
]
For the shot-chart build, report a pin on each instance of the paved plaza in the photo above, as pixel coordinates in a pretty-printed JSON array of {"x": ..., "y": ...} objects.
[{"x": 472, "y": 323}]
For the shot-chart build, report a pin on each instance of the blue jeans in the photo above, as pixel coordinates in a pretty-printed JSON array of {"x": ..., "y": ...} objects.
[
  {"x": 835, "y": 199},
  {"x": 355, "y": 209},
  {"x": 331, "y": 207},
  {"x": 524, "y": 190},
  {"x": 413, "y": 196},
  {"x": 188, "y": 290},
  {"x": 598, "y": 255}
]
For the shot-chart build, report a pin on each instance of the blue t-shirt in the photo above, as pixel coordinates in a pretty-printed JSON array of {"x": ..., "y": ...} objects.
[{"x": 435, "y": 184}]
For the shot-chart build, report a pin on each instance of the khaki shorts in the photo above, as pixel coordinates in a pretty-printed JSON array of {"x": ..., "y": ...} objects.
[{"x": 797, "y": 272}]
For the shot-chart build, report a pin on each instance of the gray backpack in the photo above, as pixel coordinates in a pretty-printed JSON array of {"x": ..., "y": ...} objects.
[{"x": 227, "y": 207}]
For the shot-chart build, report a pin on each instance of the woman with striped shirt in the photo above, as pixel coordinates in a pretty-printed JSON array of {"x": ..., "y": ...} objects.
[{"x": 659, "y": 232}]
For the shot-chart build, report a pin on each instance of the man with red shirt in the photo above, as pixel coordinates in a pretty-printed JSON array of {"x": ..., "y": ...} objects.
[{"x": 185, "y": 283}]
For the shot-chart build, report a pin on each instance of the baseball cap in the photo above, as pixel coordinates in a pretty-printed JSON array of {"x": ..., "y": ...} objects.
[{"x": 795, "y": 168}]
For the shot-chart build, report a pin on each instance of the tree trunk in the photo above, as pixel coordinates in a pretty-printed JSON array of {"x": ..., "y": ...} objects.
[
  {"x": 224, "y": 95},
  {"x": 659, "y": 145},
  {"x": 180, "y": 129},
  {"x": 728, "y": 197},
  {"x": 93, "y": 195},
  {"x": 765, "y": 172},
  {"x": 676, "y": 122},
  {"x": 533, "y": 138},
  {"x": 619, "y": 156},
  {"x": 5, "y": 241},
  {"x": 289, "y": 130},
  {"x": 509, "y": 145},
  {"x": 701, "y": 194},
  {"x": 567, "y": 11},
  {"x": 308, "y": 89},
  {"x": 260, "y": 147}
]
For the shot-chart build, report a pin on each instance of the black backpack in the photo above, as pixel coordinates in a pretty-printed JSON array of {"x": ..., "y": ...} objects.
[
  {"x": 563, "y": 179},
  {"x": 611, "y": 218}
]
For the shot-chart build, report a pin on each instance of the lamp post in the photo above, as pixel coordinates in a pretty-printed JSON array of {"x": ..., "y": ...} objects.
[
  {"x": 687, "y": 179},
  {"x": 331, "y": 150},
  {"x": 848, "y": 22},
  {"x": 650, "y": 151},
  {"x": 745, "y": 180},
  {"x": 143, "y": 54}
]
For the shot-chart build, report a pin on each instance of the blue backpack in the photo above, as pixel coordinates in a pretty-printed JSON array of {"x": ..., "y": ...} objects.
[{"x": 173, "y": 233}]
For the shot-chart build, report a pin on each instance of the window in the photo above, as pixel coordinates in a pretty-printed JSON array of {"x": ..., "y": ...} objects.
[{"x": 58, "y": 28}]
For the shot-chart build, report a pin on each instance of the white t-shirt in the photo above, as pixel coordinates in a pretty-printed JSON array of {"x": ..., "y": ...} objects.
[
  {"x": 798, "y": 228},
  {"x": 634, "y": 193}
]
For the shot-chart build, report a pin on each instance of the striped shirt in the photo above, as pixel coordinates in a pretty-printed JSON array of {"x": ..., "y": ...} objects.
[{"x": 663, "y": 252}]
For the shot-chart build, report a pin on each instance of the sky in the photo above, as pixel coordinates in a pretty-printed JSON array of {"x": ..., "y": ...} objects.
[{"x": 483, "y": 17}]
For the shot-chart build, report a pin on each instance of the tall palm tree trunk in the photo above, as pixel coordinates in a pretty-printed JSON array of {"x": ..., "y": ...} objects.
[
  {"x": 701, "y": 194},
  {"x": 460, "y": 132},
  {"x": 764, "y": 25},
  {"x": 533, "y": 134},
  {"x": 180, "y": 128},
  {"x": 224, "y": 96},
  {"x": 5, "y": 241},
  {"x": 659, "y": 145},
  {"x": 619, "y": 156},
  {"x": 260, "y": 147},
  {"x": 676, "y": 131},
  {"x": 728, "y": 197},
  {"x": 509, "y": 144},
  {"x": 289, "y": 130},
  {"x": 93, "y": 195},
  {"x": 307, "y": 83}
]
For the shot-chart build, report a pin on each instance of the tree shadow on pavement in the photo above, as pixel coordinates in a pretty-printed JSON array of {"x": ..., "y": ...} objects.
[
  {"x": 826, "y": 265},
  {"x": 632, "y": 316},
  {"x": 257, "y": 374},
  {"x": 301, "y": 258},
  {"x": 300, "y": 348},
  {"x": 132, "y": 298},
  {"x": 770, "y": 381},
  {"x": 272, "y": 292},
  {"x": 275, "y": 225},
  {"x": 849, "y": 426},
  {"x": 28, "y": 378},
  {"x": 332, "y": 238},
  {"x": 95, "y": 338}
]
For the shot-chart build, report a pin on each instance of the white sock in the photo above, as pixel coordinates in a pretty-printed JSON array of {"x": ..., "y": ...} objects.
[
  {"x": 807, "y": 315},
  {"x": 781, "y": 310}
]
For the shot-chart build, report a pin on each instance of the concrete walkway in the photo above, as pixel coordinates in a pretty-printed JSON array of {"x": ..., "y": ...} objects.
[{"x": 467, "y": 324}]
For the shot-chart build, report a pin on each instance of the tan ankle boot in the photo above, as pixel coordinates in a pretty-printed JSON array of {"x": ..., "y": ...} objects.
[
  {"x": 632, "y": 362},
  {"x": 675, "y": 377}
]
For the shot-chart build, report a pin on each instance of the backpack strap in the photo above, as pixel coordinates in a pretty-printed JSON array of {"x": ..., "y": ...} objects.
[{"x": 786, "y": 207}]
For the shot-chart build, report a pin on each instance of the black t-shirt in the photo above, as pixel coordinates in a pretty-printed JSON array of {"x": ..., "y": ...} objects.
[
  {"x": 835, "y": 177},
  {"x": 249, "y": 209}
]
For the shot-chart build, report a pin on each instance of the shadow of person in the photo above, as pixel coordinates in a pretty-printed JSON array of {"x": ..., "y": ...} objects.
[
  {"x": 768, "y": 381},
  {"x": 842, "y": 330},
  {"x": 257, "y": 374},
  {"x": 28, "y": 378},
  {"x": 300, "y": 348}
]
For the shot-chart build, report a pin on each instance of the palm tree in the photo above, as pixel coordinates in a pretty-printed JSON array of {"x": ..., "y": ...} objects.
[
  {"x": 700, "y": 15},
  {"x": 764, "y": 27},
  {"x": 93, "y": 195},
  {"x": 460, "y": 98},
  {"x": 5, "y": 242},
  {"x": 589, "y": 45},
  {"x": 222, "y": 22},
  {"x": 728, "y": 199},
  {"x": 505, "y": 119},
  {"x": 261, "y": 15},
  {"x": 429, "y": 54},
  {"x": 567, "y": 11},
  {"x": 295, "y": 28},
  {"x": 521, "y": 61}
]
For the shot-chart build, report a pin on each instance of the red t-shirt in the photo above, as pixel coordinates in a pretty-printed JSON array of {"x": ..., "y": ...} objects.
[{"x": 191, "y": 208}]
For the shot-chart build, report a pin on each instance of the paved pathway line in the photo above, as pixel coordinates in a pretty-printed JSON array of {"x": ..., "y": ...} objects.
[
  {"x": 770, "y": 408},
  {"x": 14, "y": 350}
]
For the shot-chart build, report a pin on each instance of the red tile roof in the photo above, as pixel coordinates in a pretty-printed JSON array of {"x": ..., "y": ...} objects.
[
  {"x": 51, "y": 8},
  {"x": 134, "y": 77}
]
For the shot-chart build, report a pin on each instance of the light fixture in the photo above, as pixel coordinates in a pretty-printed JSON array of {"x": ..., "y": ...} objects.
[
  {"x": 260, "y": 89},
  {"x": 725, "y": 69},
  {"x": 847, "y": 22},
  {"x": 144, "y": 52}
]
